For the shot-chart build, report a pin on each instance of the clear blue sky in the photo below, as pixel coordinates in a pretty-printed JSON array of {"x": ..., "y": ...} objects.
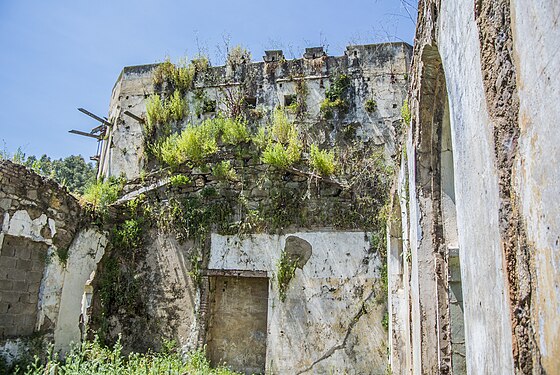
[{"x": 58, "y": 55}]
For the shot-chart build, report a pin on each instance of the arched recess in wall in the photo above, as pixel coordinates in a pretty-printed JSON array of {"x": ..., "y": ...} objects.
[{"x": 436, "y": 182}]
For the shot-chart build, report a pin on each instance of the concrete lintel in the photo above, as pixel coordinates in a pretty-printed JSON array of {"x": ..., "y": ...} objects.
[{"x": 235, "y": 273}]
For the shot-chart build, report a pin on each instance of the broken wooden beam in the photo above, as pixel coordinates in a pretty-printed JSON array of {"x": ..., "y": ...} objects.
[
  {"x": 101, "y": 120},
  {"x": 98, "y": 137},
  {"x": 137, "y": 118}
]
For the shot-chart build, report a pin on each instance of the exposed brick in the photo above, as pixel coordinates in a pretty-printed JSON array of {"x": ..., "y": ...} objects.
[
  {"x": 38, "y": 265},
  {"x": 7, "y": 262},
  {"x": 18, "y": 286},
  {"x": 24, "y": 265},
  {"x": 4, "y": 307},
  {"x": 7, "y": 250},
  {"x": 34, "y": 276},
  {"x": 6, "y": 285},
  {"x": 6, "y": 320},
  {"x": 23, "y": 253},
  {"x": 15, "y": 274},
  {"x": 10, "y": 296}
]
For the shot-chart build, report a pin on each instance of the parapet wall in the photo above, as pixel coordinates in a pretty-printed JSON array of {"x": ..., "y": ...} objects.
[{"x": 377, "y": 72}]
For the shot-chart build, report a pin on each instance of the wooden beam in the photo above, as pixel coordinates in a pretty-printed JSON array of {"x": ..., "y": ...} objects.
[
  {"x": 234, "y": 273},
  {"x": 101, "y": 120},
  {"x": 137, "y": 118},
  {"x": 98, "y": 137}
]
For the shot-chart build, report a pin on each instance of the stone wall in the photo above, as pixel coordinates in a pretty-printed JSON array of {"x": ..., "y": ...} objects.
[
  {"x": 377, "y": 72},
  {"x": 38, "y": 251},
  {"x": 468, "y": 57}
]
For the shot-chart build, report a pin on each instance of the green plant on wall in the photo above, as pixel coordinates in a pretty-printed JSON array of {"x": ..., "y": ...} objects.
[
  {"x": 335, "y": 97},
  {"x": 299, "y": 104},
  {"x": 322, "y": 161},
  {"x": 405, "y": 113},
  {"x": 283, "y": 146},
  {"x": 285, "y": 271},
  {"x": 103, "y": 192},
  {"x": 370, "y": 105},
  {"x": 223, "y": 171}
]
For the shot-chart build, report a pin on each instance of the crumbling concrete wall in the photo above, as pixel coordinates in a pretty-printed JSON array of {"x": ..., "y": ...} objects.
[
  {"x": 38, "y": 252},
  {"x": 497, "y": 136},
  {"x": 331, "y": 317},
  {"x": 378, "y": 72}
]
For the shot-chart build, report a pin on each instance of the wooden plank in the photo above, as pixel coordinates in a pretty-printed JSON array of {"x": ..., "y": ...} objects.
[
  {"x": 101, "y": 120},
  {"x": 98, "y": 137},
  {"x": 234, "y": 273},
  {"x": 137, "y": 118}
]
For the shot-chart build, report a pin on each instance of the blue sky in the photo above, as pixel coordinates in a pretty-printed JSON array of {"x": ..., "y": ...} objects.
[{"x": 59, "y": 55}]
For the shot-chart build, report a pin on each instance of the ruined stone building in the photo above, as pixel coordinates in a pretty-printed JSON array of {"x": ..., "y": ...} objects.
[
  {"x": 431, "y": 247},
  {"x": 473, "y": 256},
  {"x": 275, "y": 268}
]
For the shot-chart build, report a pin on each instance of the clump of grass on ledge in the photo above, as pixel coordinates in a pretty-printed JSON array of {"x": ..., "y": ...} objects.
[
  {"x": 160, "y": 112},
  {"x": 102, "y": 193},
  {"x": 282, "y": 147},
  {"x": 91, "y": 358},
  {"x": 197, "y": 142},
  {"x": 322, "y": 161},
  {"x": 223, "y": 171}
]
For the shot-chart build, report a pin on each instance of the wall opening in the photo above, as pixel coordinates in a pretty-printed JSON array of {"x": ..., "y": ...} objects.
[
  {"x": 436, "y": 180},
  {"x": 237, "y": 322}
]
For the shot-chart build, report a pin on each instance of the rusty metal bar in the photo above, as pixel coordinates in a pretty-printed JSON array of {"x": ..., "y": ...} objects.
[{"x": 98, "y": 137}]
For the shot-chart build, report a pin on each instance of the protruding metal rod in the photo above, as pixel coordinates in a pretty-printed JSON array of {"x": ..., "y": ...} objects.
[
  {"x": 137, "y": 118},
  {"x": 101, "y": 120}
]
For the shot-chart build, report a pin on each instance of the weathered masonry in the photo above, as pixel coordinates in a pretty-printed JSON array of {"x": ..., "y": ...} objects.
[
  {"x": 46, "y": 255},
  {"x": 275, "y": 268},
  {"x": 473, "y": 256}
]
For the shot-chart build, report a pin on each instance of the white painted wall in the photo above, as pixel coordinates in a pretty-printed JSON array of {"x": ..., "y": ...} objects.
[
  {"x": 536, "y": 36},
  {"x": 487, "y": 322},
  {"x": 85, "y": 252},
  {"x": 307, "y": 331}
]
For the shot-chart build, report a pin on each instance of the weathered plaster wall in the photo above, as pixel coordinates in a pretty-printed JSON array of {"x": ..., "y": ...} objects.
[
  {"x": 331, "y": 317},
  {"x": 157, "y": 292},
  {"x": 83, "y": 255},
  {"x": 498, "y": 64},
  {"x": 377, "y": 72},
  {"x": 38, "y": 253},
  {"x": 535, "y": 34},
  {"x": 488, "y": 333}
]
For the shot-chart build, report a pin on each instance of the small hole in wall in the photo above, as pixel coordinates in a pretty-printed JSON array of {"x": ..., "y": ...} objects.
[
  {"x": 199, "y": 116},
  {"x": 126, "y": 97},
  {"x": 321, "y": 84},
  {"x": 380, "y": 122},
  {"x": 130, "y": 106},
  {"x": 356, "y": 53},
  {"x": 394, "y": 106},
  {"x": 146, "y": 96},
  {"x": 260, "y": 87},
  {"x": 368, "y": 79}
]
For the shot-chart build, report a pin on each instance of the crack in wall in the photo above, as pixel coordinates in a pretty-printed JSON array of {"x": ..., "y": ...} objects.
[{"x": 362, "y": 311}]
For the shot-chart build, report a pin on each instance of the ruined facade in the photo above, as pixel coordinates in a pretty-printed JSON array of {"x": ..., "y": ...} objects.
[
  {"x": 47, "y": 253},
  {"x": 271, "y": 269},
  {"x": 473, "y": 248}
]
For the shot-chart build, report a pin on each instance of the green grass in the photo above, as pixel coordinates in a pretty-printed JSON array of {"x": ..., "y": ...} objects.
[
  {"x": 322, "y": 161},
  {"x": 281, "y": 143},
  {"x": 102, "y": 193},
  {"x": 91, "y": 358}
]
